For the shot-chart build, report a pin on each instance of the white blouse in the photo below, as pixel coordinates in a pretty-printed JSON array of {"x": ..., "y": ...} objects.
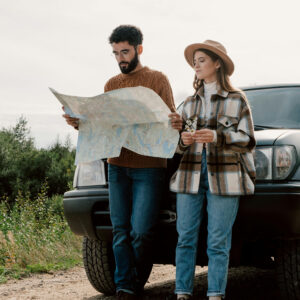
[{"x": 209, "y": 90}]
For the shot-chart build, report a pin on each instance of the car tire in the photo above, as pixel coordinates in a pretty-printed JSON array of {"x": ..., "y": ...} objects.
[
  {"x": 99, "y": 264},
  {"x": 288, "y": 269}
]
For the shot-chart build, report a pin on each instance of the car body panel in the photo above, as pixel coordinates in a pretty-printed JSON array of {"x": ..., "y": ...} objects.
[{"x": 268, "y": 137}]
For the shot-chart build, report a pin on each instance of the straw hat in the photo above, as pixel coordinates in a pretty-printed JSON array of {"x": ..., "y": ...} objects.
[{"x": 213, "y": 46}]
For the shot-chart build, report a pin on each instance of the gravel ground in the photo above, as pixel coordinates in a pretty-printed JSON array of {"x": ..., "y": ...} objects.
[{"x": 243, "y": 284}]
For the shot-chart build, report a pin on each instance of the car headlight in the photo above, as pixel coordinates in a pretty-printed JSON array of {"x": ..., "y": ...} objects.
[
  {"x": 274, "y": 163},
  {"x": 263, "y": 163},
  {"x": 88, "y": 174},
  {"x": 284, "y": 161}
]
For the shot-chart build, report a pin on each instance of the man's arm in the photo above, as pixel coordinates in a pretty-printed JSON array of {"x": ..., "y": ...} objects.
[{"x": 165, "y": 92}]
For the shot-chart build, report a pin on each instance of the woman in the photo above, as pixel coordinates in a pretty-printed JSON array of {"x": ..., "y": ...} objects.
[{"x": 217, "y": 166}]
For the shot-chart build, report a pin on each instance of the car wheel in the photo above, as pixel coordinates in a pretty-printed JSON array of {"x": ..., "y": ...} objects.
[
  {"x": 288, "y": 269},
  {"x": 99, "y": 264}
]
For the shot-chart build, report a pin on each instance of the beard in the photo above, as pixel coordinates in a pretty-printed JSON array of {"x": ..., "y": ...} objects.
[{"x": 130, "y": 66}]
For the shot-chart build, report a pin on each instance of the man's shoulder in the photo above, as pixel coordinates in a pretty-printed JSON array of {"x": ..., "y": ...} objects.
[
  {"x": 146, "y": 76},
  {"x": 156, "y": 73},
  {"x": 112, "y": 83}
]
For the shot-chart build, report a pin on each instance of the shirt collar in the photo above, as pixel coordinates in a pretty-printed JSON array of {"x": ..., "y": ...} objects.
[{"x": 220, "y": 92}]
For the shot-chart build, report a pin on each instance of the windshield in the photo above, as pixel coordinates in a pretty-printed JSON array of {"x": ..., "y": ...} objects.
[{"x": 275, "y": 107}]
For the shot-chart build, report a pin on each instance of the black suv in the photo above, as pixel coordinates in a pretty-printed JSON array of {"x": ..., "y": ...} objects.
[{"x": 267, "y": 229}]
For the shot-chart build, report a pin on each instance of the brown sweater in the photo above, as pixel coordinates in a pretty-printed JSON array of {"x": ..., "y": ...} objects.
[{"x": 159, "y": 83}]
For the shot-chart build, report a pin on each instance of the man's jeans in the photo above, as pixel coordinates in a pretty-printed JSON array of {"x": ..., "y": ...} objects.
[
  {"x": 134, "y": 198},
  {"x": 221, "y": 212}
]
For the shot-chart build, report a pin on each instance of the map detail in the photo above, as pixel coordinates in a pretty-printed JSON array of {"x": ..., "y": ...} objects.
[{"x": 135, "y": 118}]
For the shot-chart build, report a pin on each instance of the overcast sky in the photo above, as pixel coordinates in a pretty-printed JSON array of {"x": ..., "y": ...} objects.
[{"x": 63, "y": 44}]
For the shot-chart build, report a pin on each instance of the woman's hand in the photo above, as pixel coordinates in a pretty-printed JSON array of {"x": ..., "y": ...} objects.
[
  {"x": 203, "y": 136},
  {"x": 187, "y": 138},
  {"x": 176, "y": 121}
]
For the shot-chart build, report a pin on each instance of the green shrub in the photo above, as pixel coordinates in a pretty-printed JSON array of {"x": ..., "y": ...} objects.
[{"x": 34, "y": 236}]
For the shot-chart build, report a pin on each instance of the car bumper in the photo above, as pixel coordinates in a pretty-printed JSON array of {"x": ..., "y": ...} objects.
[
  {"x": 272, "y": 212},
  {"x": 82, "y": 208}
]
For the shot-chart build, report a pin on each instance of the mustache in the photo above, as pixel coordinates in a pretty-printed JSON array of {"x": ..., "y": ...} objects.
[{"x": 124, "y": 62}]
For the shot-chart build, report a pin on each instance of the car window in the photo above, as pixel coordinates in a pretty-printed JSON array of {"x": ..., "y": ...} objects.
[{"x": 275, "y": 107}]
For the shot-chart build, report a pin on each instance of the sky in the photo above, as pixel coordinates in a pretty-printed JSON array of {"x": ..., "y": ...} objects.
[{"x": 63, "y": 44}]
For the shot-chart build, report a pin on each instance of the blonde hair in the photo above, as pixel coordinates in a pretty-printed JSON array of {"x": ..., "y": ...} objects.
[{"x": 222, "y": 75}]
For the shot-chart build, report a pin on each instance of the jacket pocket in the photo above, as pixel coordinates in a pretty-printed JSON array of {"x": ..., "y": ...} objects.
[{"x": 227, "y": 121}]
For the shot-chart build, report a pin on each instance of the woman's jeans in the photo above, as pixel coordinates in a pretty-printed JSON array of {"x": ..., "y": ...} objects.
[
  {"x": 134, "y": 199},
  {"x": 221, "y": 212}
]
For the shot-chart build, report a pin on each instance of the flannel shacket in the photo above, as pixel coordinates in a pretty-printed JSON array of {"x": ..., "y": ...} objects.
[{"x": 230, "y": 161}]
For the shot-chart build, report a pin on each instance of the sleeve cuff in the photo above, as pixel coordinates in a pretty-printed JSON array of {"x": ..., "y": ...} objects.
[
  {"x": 182, "y": 147},
  {"x": 215, "y": 136}
]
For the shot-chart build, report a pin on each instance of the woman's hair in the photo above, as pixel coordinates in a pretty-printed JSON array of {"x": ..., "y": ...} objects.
[{"x": 222, "y": 76}]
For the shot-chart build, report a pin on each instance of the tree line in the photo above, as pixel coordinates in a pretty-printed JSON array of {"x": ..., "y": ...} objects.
[{"x": 24, "y": 168}]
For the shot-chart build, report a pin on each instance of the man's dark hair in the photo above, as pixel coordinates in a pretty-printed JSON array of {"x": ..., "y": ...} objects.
[{"x": 127, "y": 33}]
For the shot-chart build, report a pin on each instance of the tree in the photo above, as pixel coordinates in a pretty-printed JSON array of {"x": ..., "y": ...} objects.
[{"x": 24, "y": 168}]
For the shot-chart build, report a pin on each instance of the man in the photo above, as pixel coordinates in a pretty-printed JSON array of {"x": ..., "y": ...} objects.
[{"x": 135, "y": 181}]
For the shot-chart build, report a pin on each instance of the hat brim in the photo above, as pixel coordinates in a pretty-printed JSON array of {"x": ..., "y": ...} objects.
[{"x": 190, "y": 50}]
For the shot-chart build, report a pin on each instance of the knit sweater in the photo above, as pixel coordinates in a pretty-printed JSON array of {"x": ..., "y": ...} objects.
[{"x": 159, "y": 83}]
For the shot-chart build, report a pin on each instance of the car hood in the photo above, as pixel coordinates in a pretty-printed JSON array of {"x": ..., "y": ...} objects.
[{"x": 268, "y": 137}]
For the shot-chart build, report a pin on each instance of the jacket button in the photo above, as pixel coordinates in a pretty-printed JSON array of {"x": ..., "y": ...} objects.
[
  {"x": 212, "y": 174},
  {"x": 226, "y": 123}
]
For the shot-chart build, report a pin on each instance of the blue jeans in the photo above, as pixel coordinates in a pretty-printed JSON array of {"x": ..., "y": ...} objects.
[
  {"x": 134, "y": 199},
  {"x": 221, "y": 212}
]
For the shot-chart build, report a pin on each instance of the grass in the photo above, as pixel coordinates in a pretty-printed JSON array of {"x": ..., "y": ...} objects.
[{"x": 35, "y": 237}]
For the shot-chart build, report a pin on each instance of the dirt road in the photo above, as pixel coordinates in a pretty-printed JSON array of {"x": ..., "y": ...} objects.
[{"x": 243, "y": 284}]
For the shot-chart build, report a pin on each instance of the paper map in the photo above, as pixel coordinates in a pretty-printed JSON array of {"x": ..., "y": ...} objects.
[{"x": 135, "y": 118}]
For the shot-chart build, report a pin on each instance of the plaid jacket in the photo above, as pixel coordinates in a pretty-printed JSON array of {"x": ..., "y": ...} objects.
[{"x": 230, "y": 162}]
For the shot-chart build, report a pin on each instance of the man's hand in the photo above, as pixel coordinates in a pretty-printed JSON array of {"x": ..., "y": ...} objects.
[
  {"x": 203, "y": 136},
  {"x": 187, "y": 138},
  {"x": 176, "y": 121},
  {"x": 71, "y": 121}
]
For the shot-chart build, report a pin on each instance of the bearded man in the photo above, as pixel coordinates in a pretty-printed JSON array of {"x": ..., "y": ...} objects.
[{"x": 135, "y": 181}]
